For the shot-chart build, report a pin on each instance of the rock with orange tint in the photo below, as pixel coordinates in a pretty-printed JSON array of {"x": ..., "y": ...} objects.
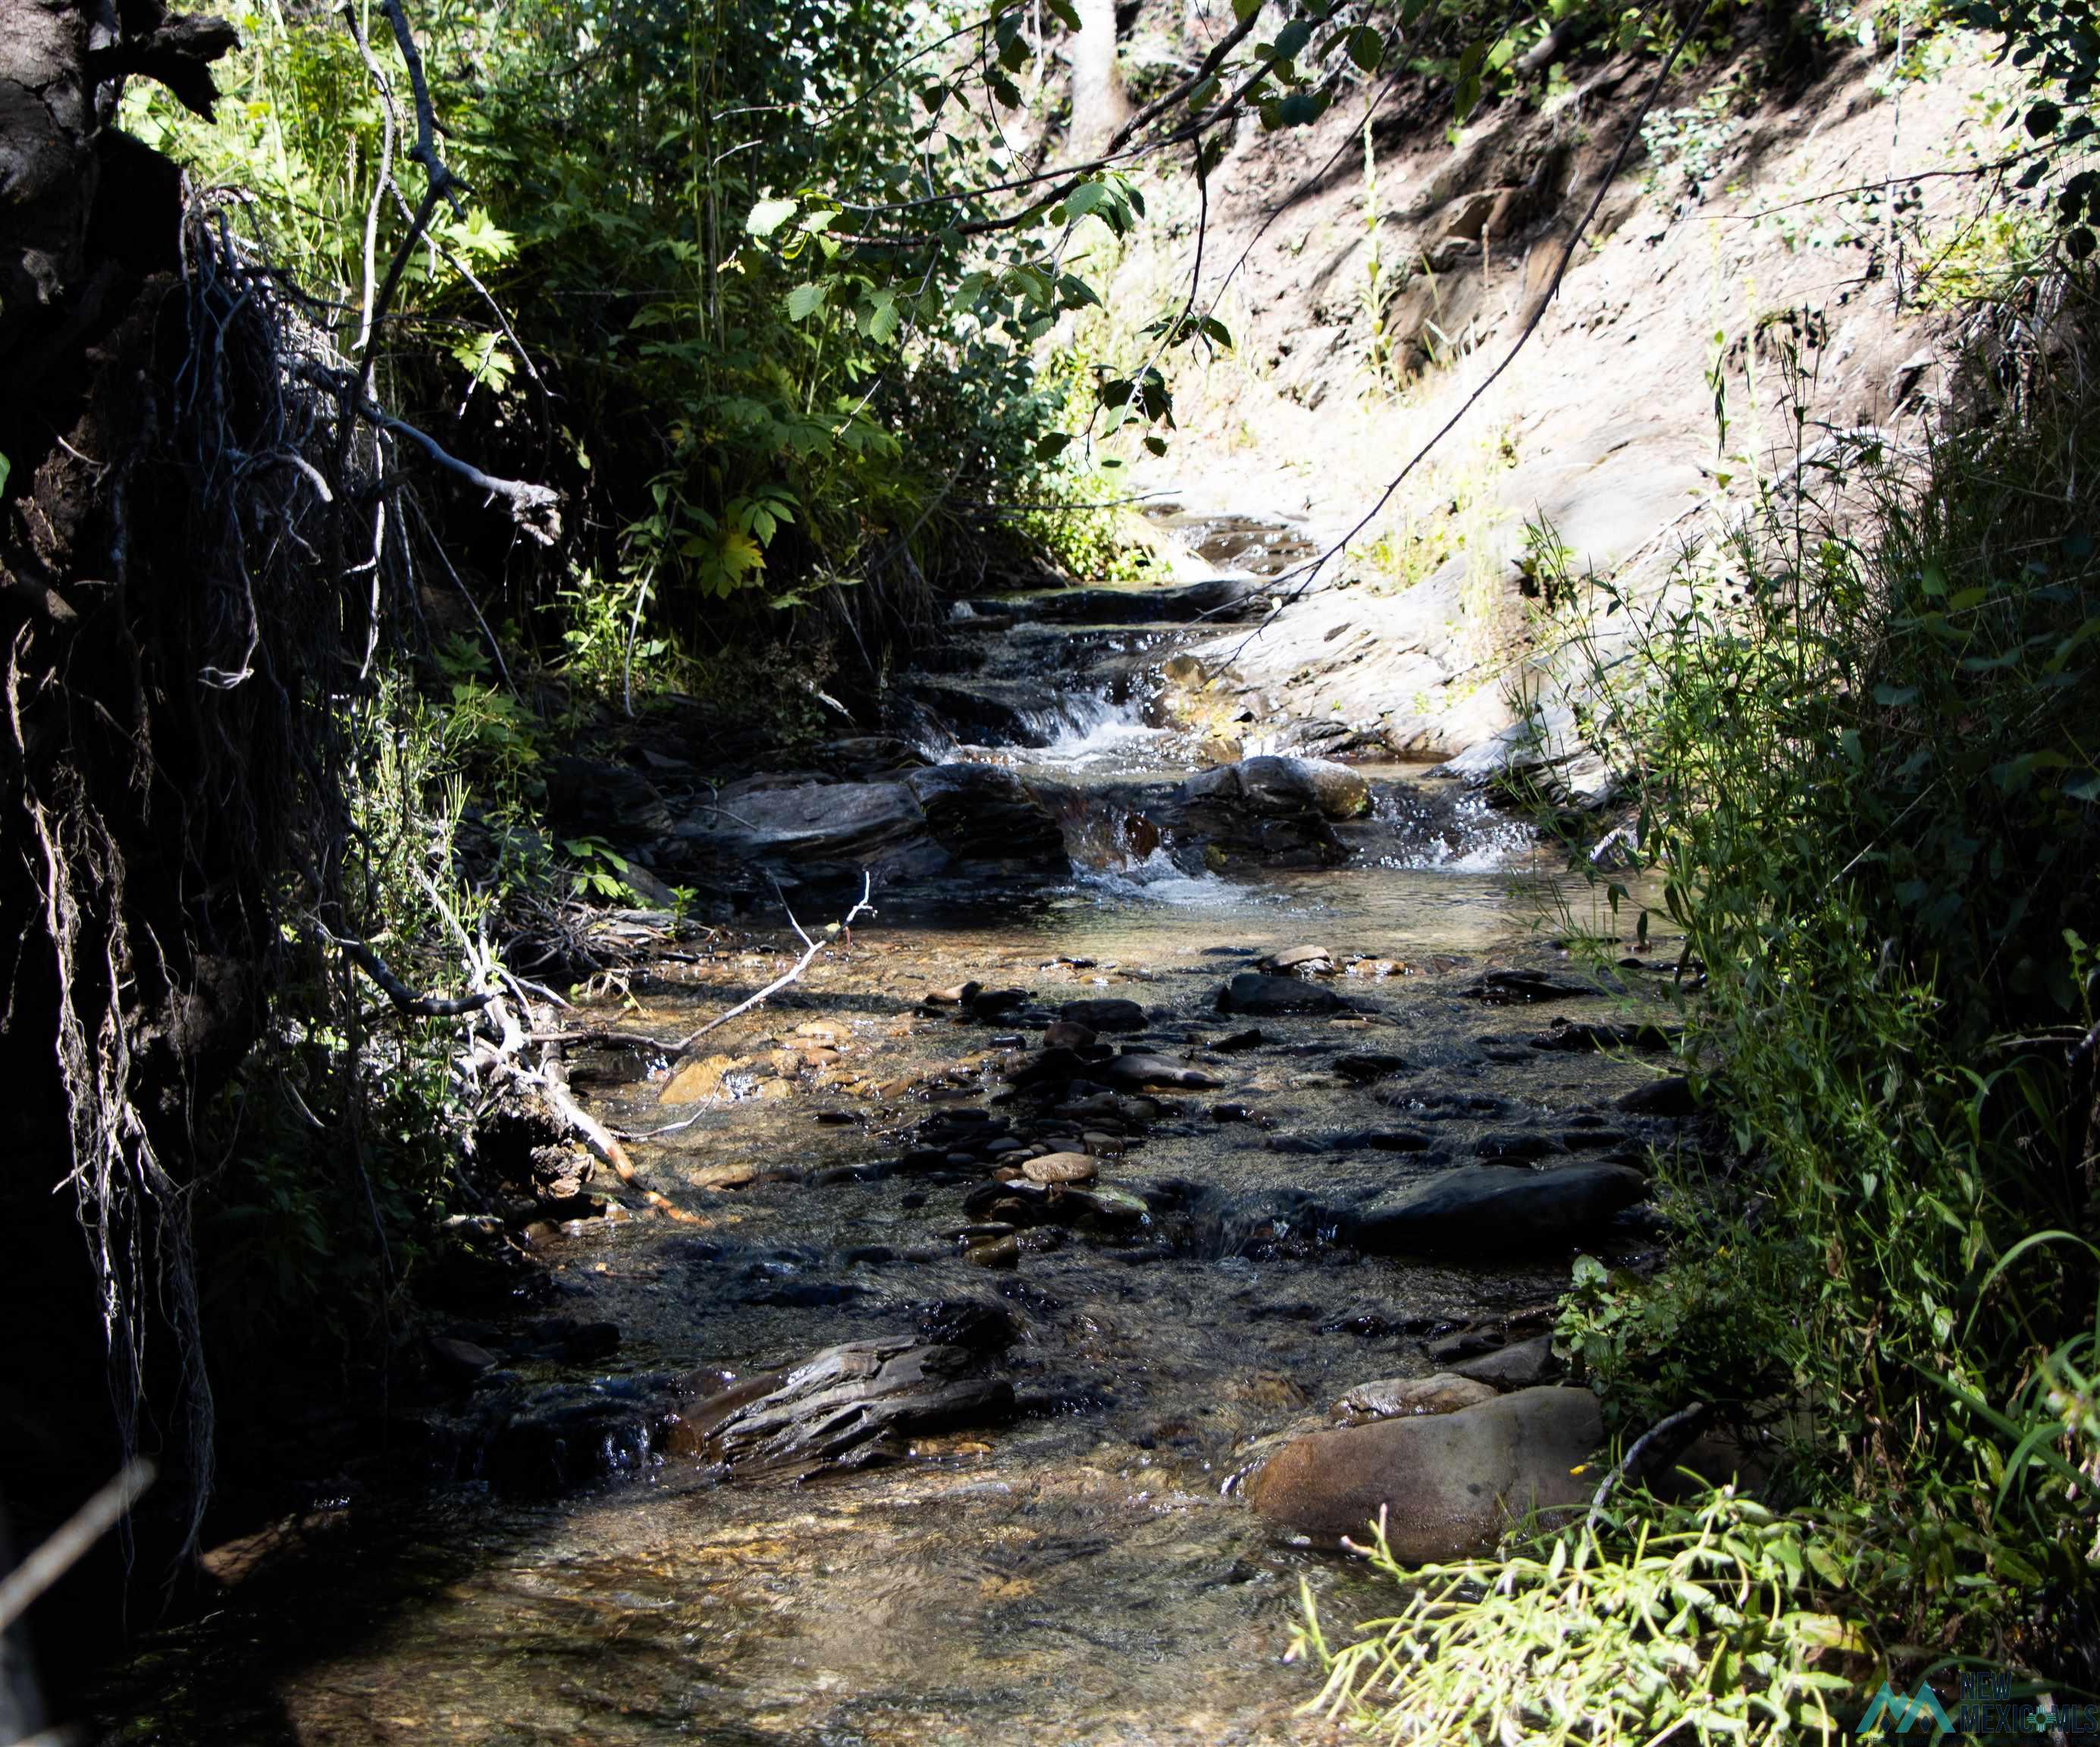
[{"x": 1450, "y": 1483}]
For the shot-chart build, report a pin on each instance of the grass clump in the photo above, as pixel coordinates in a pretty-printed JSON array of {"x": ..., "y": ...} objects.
[{"x": 1706, "y": 1627}]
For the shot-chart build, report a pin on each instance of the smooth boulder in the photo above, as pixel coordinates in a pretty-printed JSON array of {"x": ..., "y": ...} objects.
[
  {"x": 1449, "y": 1484},
  {"x": 1499, "y": 1209}
]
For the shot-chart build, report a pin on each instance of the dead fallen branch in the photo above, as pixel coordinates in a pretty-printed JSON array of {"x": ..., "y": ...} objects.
[
  {"x": 814, "y": 946},
  {"x": 72, "y": 1539}
]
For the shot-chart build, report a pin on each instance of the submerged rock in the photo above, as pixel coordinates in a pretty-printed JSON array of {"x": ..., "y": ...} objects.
[
  {"x": 1496, "y": 1209},
  {"x": 1450, "y": 1483},
  {"x": 846, "y": 1407},
  {"x": 1250, "y": 992}
]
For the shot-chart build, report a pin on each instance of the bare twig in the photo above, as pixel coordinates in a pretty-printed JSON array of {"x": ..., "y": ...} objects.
[
  {"x": 404, "y": 998},
  {"x": 1691, "y": 1415},
  {"x": 72, "y": 1539},
  {"x": 778, "y": 983}
]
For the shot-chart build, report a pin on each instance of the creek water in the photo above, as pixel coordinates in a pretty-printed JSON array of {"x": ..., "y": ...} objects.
[{"x": 1083, "y": 1572}]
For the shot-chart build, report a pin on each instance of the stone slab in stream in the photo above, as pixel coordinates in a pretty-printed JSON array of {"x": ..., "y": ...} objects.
[
  {"x": 1496, "y": 1210},
  {"x": 1450, "y": 1483},
  {"x": 1250, "y": 992},
  {"x": 1222, "y": 599},
  {"x": 846, "y": 1407}
]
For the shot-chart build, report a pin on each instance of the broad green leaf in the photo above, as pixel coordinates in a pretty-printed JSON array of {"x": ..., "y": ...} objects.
[
  {"x": 1244, "y": 10},
  {"x": 768, "y": 216},
  {"x": 1366, "y": 47},
  {"x": 806, "y": 300}
]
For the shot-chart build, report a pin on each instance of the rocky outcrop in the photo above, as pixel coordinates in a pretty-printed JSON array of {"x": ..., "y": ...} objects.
[
  {"x": 1496, "y": 1210},
  {"x": 1278, "y": 811},
  {"x": 920, "y": 823},
  {"x": 1449, "y": 1484}
]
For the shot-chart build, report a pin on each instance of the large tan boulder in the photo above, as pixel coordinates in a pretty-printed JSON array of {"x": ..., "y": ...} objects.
[{"x": 1450, "y": 1484}]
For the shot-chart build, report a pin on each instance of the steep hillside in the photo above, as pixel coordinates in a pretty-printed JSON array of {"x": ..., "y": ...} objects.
[{"x": 1743, "y": 261}]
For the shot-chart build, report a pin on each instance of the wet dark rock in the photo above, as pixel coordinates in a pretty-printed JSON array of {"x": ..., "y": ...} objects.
[
  {"x": 1381, "y": 1140},
  {"x": 1449, "y": 1484},
  {"x": 593, "y": 795},
  {"x": 1578, "y": 1037},
  {"x": 459, "y": 1361},
  {"x": 1238, "y": 1041},
  {"x": 1670, "y": 1096},
  {"x": 1050, "y": 1067},
  {"x": 969, "y": 1323},
  {"x": 1511, "y": 987},
  {"x": 572, "y": 1340},
  {"x": 1275, "y": 811},
  {"x": 1292, "y": 1143},
  {"x": 846, "y": 1407},
  {"x": 1066, "y": 1034},
  {"x": 554, "y": 1440},
  {"x": 1515, "y": 1146},
  {"x": 869, "y": 755},
  {"x": 1450, "y": 1350},
  {"x": 995, "y": 1004},
  {"x": 993, "y": 1252},
  {"x": 1364, "y": 1067},
  {"x": 1492, "y": 1210},
  {"x": 1592, "y": 1139},
  {"x": 1231, "y": 1113},
  {"x": 1250, "y": 992},
  {"x": 1134, "y": 1072},
  {"x": 1106, "y": 1014},
  {"x": 1217, "y": 599},
  {"x": 1281, "y": 786},
  {"x": 1519, "y": 1365}
]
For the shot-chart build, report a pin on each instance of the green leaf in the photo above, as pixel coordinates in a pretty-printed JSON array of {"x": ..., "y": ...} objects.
[
  {"x": 768, "y": 216},
  {"x": 806, "y": 300},
  {"x": 1052, "y": 445},
  {"x": 1244, "y": 10},
  {"x": 1003, "y": 89},
  {"x": 1290, "y": 39},
  {"x": 6, "y": 468},
  {"x": 1065, "y": 12},
  {"x": 1366, "y": 47}
]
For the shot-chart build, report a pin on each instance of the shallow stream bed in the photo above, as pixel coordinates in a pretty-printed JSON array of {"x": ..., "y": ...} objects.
[{"x": 1082, "y": 1571}]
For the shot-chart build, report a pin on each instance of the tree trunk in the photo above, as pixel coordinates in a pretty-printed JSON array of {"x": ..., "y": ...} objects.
[{"x": 1099, "y": 104}]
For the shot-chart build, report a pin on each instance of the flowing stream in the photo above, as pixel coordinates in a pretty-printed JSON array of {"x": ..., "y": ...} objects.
[{"x": 1082, "y": 1570}]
